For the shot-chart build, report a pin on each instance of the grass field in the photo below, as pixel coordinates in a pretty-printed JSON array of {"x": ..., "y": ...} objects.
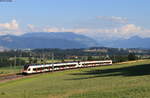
[
  {"x": 10, "y": 70},
  {"x": 128, "y": 80}
]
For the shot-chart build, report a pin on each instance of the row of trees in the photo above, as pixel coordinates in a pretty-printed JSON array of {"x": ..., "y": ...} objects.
[
  {"x": 16, "y": 58},
  {"x": 116, "y": 58},
  {"x": 6, "y": 61}
]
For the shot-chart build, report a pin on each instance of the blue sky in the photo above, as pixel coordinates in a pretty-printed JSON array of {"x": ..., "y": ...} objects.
[{"x": 83, "y": 16}]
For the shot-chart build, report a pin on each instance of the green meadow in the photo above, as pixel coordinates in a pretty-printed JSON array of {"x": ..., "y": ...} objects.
[
  {"x": 10, "y": 70},
  {"x": 127, "y": 80}
]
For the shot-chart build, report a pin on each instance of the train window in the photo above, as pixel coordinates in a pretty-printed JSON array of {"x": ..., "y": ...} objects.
[
  {"x": 29, "y": 69},
  {"x": 56, "y": 66},
  {"x": 44, "y": 68},
  {"x": 34, "y": 69}
]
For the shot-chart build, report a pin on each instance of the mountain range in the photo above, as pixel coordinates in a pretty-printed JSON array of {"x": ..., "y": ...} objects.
[
  {"x": 47, "y": 40},
  {"x": 68, "y": 40},
  {"x": 132, "y": 42}
]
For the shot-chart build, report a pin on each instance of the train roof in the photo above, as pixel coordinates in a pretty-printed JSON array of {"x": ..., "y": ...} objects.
[
  {"x": 65, "y": 63},
  {"x": 49, "y": 64}
]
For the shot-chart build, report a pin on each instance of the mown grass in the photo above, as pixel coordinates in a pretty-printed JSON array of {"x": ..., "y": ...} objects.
[{"x": 130, "y": 80}]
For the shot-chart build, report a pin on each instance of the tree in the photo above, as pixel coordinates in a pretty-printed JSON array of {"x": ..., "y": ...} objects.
[
  {"x": 90, "y": 58},
  {"x": 35, "y": 60},
  {"x": 30, "y": 60},
  {"x": 131, "y": 56}
]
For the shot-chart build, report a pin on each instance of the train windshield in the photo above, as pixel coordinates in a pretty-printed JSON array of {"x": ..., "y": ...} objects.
[{"x": 26, "y": 67}]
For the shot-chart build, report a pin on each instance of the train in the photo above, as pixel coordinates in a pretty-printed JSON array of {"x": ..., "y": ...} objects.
[{"x": 39, "y": 68}]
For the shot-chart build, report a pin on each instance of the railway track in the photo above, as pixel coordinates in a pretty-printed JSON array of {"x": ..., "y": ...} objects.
[
  {"x": 10, "y": 77},
  {"x": 4, "y": 78}
]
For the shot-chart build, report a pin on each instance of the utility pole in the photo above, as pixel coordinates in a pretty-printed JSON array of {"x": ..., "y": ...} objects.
[
  {"x": 52, "y": 61},
  {"x": 43, "y": 58},
  {"x": 15, "y": 61},
  {"x": 20, "y": 55},
  {"x": 40, "y": 58},
  {"x": 114, "y": 59},
  {"x": 30, "y": 57}
]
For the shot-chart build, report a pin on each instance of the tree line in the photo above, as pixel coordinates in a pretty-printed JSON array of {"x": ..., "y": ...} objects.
[{"x": 22, "y": 57}]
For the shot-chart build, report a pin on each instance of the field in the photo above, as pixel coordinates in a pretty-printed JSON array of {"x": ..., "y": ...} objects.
[
  {"x": 126, "y": 80},
  {"x": 10, "y": 70}
]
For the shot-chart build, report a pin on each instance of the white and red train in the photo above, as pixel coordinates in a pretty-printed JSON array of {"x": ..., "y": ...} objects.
[{"x": 29, "y": 69}]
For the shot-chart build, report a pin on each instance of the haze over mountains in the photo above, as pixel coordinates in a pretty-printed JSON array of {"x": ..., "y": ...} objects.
[{"x": 68, "y": 40}]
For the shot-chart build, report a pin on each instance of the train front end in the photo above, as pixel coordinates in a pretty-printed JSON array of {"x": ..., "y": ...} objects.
[{"x": 26, "y": 69}]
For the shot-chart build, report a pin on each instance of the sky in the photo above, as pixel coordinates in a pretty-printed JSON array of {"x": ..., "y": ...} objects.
[{"x": 102, "y": 19}]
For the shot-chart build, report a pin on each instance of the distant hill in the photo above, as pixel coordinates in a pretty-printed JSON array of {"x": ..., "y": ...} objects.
[
  {"x": 133, "y": 42},
  {"x": 47, "y": 40}
]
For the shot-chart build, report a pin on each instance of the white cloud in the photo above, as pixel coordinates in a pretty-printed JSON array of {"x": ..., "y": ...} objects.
[
  {"x": 13, "y": 25},
  {"x": 77, "y": 30},
  {"x": 125, "y": 30},
  {"x": 57, "y": 29},
  {"x": 129, "y": 30},
  {"x": 31, "y": 27},
  {"x": 53, "y": 29},
  {"x": 113, "y": 19},
  {"x": 10, "y": 28}
]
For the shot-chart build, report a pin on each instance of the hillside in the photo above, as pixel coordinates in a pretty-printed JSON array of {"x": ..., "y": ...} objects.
[{"x": 128, "y": 80}]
